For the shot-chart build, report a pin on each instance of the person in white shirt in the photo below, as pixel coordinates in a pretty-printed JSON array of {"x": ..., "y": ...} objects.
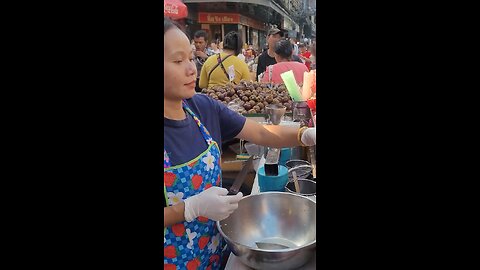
[
  {"x": 295, "y": 46},
  {"x": 241, "y": 55},
  {"x": 214, "y": 47}
]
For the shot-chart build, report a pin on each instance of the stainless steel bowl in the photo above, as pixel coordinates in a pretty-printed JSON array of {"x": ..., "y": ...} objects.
[{"x": 272, "y": 217}]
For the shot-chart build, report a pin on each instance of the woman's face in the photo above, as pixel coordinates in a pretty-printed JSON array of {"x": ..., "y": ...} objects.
[{"x": 180, "y": 72}]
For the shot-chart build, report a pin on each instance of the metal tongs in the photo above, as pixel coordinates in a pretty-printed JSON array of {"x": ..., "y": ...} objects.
[{"x": 235, "y": 188}]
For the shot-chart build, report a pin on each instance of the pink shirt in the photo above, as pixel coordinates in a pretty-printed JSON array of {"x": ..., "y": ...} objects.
[{"x": 279, "y": 68}]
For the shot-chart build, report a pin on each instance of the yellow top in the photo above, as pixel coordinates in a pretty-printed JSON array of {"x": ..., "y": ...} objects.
[{"x": 218, "y": 77}]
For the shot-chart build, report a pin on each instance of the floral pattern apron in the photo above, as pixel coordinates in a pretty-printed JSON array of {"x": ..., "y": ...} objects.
[{"x": 197, "y": 244}]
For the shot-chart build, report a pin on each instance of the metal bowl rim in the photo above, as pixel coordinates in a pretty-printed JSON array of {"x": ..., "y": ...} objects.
[
  {"x": 314, "y": 242},
  {"x": 309, "y": 167},
  {"x": 297, "y": 160}
]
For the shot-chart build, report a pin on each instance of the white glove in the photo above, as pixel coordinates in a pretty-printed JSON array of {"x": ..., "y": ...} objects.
[
  {"x": 212, "y": 203},
  {"x": 309, "y": 137}
]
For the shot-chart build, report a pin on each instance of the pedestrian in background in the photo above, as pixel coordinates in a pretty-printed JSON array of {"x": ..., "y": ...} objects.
[
  {"x": 219, "y": 69},
  {"x": 201, "y": 53},
  {"x": 267, "y": 58},
  {"x": 220, "y": 46},
  {"x": 314, "y": 55},
  {"x": 305, "y": 55},
  {"x": 283, "y": 57},
  {"x": 214, "y": 48},
  {"x": 295, "y": 46}
]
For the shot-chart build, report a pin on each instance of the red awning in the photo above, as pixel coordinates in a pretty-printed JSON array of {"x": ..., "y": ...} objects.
[{"x": 174, "y": 9}]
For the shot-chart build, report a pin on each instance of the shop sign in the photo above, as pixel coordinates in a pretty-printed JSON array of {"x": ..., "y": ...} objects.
[
  {"x": 289, "y": 24},
  {"x": 222, "y": 18},
  {"x": 252, "y": 23}
]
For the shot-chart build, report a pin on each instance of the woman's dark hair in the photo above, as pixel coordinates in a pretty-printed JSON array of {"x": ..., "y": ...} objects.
[
  {"x": 169, "y": 24},
  {"x": 233, "y": 41},
  {"x": 284, "y": 49}
]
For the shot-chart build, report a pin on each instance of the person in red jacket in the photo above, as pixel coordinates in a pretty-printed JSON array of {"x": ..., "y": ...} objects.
[{"x": 305, "y": 55}]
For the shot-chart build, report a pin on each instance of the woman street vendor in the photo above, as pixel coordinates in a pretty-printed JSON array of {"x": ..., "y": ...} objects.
[{"x": 194, "y": 127}]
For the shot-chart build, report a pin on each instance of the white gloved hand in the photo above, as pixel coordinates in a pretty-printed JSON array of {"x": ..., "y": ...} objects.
[
  {"x": 212, "y": 203},
  {"x": 309, "y": 137}
]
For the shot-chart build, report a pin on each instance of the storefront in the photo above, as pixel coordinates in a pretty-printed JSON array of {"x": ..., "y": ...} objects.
[
  {"x": 291, "y": 27},
  {"x": 219, "y": 24}
]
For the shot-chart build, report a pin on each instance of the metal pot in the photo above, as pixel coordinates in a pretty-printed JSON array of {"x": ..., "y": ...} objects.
[
  {"x": 302, "y": 171},
  {"x": 308, "y": 188},
  {"x": 273, "y": 217}
]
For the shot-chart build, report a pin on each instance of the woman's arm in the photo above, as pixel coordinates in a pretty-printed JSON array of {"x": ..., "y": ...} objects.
[
  {"x": 173, "y": 214},
  {"x": 265, "y": 77},
  {"x": 269, "y": 135}
]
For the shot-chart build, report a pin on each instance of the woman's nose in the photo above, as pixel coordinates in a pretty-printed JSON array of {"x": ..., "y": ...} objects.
[{"x": 192, "y": 68}]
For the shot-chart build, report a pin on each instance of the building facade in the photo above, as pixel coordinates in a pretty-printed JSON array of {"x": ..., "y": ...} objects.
[{"x": 252, "y": 18}]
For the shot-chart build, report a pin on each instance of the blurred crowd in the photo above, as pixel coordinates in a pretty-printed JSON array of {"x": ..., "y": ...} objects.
[{"x": 248, "y": 62}]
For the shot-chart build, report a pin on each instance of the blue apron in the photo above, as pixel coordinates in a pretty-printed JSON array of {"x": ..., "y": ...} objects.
[{"x": 197, "y": 244}]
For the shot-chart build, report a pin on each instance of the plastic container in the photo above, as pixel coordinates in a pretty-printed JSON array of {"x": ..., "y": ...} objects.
[
  {"x": 273, "y": 183},
  {"x": 285, "y": 155}
]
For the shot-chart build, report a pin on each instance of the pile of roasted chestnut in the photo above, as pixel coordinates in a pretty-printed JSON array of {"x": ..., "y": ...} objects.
[{"x": 250, "y": 97}]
